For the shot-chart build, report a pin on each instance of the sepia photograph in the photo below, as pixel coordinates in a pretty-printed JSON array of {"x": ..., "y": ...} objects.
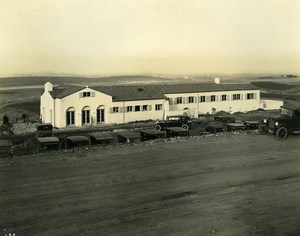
[{"x": 150, "y": 117}]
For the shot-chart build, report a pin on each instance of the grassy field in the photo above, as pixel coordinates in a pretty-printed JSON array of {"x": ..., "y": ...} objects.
[{"x": 21, "y": 101}]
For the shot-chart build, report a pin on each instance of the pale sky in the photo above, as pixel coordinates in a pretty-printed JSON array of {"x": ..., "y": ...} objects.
[{"x": 94, "y": 37}]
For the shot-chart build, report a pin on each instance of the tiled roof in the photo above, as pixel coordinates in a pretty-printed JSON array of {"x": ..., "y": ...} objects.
[
  {"x": 132, "y": 93},
  {"x": 65, "y": 90},
  {"x": 146, "y": 92}
]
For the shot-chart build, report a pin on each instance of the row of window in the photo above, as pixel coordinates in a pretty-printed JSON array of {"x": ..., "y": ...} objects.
[
  {"x": 212, "y": 98},
  {"x": 86, "y": 117},
  {"x": 136, "y": 108}
]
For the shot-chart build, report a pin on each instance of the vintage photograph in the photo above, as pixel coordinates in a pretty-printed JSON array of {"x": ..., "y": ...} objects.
[{"x": 149, "y": 117}]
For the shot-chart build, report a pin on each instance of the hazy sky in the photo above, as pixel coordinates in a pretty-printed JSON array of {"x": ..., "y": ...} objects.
[{"x": 149, "y": 36}]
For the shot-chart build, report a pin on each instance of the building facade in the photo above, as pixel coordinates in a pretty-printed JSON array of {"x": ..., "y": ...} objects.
[
  {"x": 75, "y": 106},
  {"x": 270, "y": 104}
]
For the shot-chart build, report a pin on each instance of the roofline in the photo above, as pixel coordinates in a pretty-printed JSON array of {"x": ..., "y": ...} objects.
[
  {"x": 142, "y": 99},
  {"x": 163, "y": 94},
  {"x": 79, "y": 89},
  {"x": 212, "y": 91}
]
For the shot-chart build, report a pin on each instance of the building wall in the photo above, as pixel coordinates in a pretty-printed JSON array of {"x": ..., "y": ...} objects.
[
  {"x": 46, "y": 105},
  {"x": 229, "y": 105},
  {"x": 77, "y": 101},
  {"x": 97, "y": 99},
  {"x": 268, "y": 104},
  {"x": 140, "y": 110},
  {"x": 54, "y": 110}
]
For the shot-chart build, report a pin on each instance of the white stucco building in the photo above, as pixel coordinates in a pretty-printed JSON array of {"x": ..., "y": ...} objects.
[
  {"x": 75, "y": 106},
  {"x": 270, "y": 104}
]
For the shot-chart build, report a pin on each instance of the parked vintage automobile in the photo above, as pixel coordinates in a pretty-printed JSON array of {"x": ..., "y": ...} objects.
[
  {"x": 174, "y": 121},
  {"x": 230, "y": 123},
  {"x": 251, "y": 124},
  {"x": 44, "y": 130},
  {"x": 215, "y": 126},
  {"x": 225, "y": 119},
  {"x": 288, "y": 122}
]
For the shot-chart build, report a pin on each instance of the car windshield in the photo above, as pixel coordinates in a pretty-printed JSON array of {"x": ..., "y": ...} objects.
[
  {"x": 286, "y": 112},
  {"x": 216, "y": 123},
  {"x": 45, "y": 128},
  {"x": 173, "y": 118}
]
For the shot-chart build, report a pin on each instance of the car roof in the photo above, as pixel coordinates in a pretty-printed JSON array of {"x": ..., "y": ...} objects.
[
  {"x": 43, "y": 124},
  {"x": 215, "y": 122},
  {"x": 224, "y": 116}
]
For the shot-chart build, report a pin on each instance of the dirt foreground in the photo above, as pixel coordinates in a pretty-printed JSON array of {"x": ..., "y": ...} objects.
[{"x": 229, "y": 184}]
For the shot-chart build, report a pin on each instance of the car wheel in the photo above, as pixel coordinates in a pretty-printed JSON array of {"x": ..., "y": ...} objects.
[
  {"x": 185, "y": 126},
  {"x": 212, "y": 130},
  {"x": 282, "y": 133},
  {"x": 157, "y": 127}
]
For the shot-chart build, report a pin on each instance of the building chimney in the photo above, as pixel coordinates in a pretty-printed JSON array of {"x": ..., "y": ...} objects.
[
  {"x": 217, "y": 80},
  {"x": 48, "y": 87}
]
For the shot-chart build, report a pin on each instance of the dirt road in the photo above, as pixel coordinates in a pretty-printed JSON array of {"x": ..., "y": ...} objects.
[{"x": 225, "y": 185}]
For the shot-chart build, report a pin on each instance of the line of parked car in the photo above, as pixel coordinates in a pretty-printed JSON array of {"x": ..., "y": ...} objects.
[
  {"x": 219, "y": 124},
  {"x": 288, "y": 122},
  {"x": 171, "y": 127}
]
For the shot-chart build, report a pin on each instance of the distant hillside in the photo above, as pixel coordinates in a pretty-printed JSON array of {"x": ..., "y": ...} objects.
[
  {"x": 274, "y": 86},
  {"x": 272, "y": 90},
  {"x": 41, "y": 80}
]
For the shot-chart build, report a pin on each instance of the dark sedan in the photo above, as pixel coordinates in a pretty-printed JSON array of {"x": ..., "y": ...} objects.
[
  {"x": 215, "y": 126},
  {"x": 174, "y": 121}
]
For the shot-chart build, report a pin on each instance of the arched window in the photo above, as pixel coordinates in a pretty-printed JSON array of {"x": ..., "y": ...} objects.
[
  {"x": 86, "y": 115},
  {"x": 70, "y": 116},
  {"x": 100, "y": 114}
]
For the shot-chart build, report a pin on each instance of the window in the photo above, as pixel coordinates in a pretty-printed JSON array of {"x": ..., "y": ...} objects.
[
  {"x": 158, "y": 107},
  {"x": 202, "y": 99},
  {"x": 179, "y": 100},
  {"x": 213, "y": 98},
  {"x": 85, "y": 115},
  {"x": 145, "y": 107},
  {"x": 191, "y": 99},
  {"x": 100, "y": 114},
  {"x": 236, "y": 97},
  {"x": 115, "y": 109},
  {"x": 173, "y": 118},
  {"x": 137, "y": 108},
  {"x": 224, "y": 97},
  {"x": 129, "y": 109},
  {"x": 86, "y": 94},
  {"x": 70, "y": 116},
  {"x": 250, "y": 96}
]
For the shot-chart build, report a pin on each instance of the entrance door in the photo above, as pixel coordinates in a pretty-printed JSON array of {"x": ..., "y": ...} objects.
[
  {"x": 100, "y": 114},
  {"x": 70, "y": 116},
  {"x": 86, "y": 112}
]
